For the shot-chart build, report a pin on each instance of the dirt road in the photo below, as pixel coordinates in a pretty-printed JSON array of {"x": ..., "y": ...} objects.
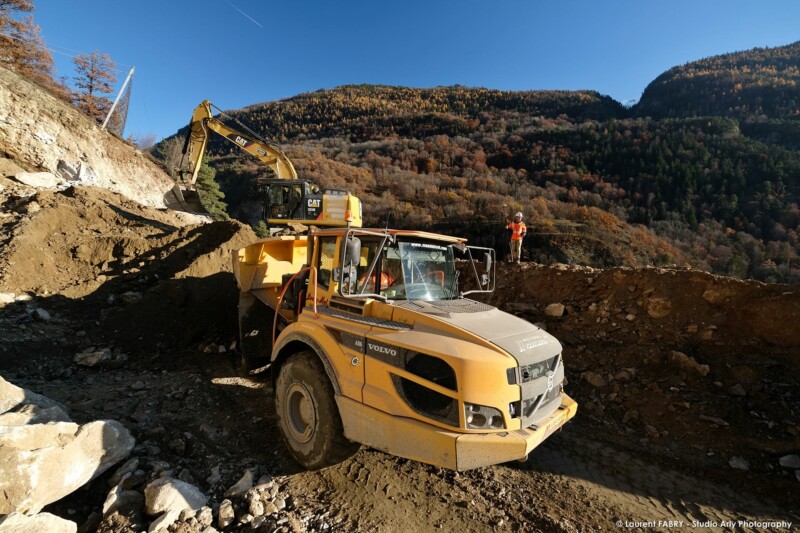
[{"x": 575, "y": 482}]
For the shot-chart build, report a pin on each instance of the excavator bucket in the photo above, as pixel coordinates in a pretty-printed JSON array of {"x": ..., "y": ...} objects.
[{"x": 181, "y": 199}]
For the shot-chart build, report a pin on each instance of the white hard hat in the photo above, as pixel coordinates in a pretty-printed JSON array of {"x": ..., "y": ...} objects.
[{"x": 518, "y": 214}]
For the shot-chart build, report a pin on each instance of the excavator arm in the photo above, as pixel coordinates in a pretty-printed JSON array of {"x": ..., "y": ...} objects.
[{"x": 203, "y": 122}]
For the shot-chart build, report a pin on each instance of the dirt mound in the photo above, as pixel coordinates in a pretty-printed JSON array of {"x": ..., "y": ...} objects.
[
  {"x": 184, "y": 295},
  {"x": 92, "y": 251},
  {"x": 682, "y": 304},
  {"x": 69, "y": 242},
  {"x": 680, "y": 362}
]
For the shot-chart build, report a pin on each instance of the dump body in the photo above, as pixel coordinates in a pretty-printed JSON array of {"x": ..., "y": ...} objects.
[{"x": 417, "y": 370}]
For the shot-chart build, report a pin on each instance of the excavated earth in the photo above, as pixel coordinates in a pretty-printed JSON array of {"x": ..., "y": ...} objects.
[{"x": 679, "y": 375}]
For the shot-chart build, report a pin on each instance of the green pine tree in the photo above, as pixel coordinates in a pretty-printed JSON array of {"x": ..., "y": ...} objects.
[
  {"x": 261, "y": 229},
  {"x": 210, "y": 194}
]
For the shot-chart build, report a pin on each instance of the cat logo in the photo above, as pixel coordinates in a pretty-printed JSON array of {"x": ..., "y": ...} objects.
[
  {"x": 240, "y": 141},
  {"x": 314, "y": 202}
]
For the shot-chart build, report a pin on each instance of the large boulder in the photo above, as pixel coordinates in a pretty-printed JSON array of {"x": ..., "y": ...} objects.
[
  {"x": 10, "y": 395},
  {"x": 40, "y": 523},
  {"x": 39, "y": 180},
  {"x": 44, "y": 456},
  {"x": 15, "y": 398},
  {"x": 33, "y": 414},
  {"x": 168, "y": 494}
]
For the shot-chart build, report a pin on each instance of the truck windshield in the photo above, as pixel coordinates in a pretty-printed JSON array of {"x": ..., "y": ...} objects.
[{"x": 411, "y": 270}]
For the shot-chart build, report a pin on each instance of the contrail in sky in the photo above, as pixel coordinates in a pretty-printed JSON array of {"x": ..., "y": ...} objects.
[{"x": 245, "y": 14}]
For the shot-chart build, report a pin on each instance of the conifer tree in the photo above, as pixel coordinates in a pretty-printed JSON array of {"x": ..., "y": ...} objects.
[
  {"x": 9, "y": 10},
  {"x": 22, "y": 48},
  {"x": 95, "y": 79},
  {"x": 210, "y": 194}
]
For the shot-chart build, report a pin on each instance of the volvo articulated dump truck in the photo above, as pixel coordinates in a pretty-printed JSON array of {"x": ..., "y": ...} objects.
[{"x": 371, "y": 340}]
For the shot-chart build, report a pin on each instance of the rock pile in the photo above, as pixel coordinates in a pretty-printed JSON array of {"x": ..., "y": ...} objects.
[{"x": 44, "y": 455}]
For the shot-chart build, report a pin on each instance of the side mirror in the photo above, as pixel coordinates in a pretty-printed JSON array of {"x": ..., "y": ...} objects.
[
  {"x": 347, "y": 278},
  {"x": 352, "y": 253},
  {"x": 483, "y": 280}
]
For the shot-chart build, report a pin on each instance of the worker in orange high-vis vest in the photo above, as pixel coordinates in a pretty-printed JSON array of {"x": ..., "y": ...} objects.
[{"x": 518, "y": 230}]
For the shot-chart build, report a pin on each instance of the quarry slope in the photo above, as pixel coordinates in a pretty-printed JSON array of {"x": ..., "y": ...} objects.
[{"x": 40, "y": 132}]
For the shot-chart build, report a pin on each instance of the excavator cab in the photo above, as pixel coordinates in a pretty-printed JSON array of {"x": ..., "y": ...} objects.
[
  {"x": 297, "y": 201},
  {"x": 291, "y": 200}
]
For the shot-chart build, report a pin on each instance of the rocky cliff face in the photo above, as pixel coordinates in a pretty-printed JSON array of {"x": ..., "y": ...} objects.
[{"x": 43, "y": 133}]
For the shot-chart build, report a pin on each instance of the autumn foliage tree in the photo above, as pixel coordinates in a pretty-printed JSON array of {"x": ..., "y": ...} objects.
[
  {"x": 22, "y": 48},
  {"x": 94, "y": 80},
  {"x": 10, "y": 26}
]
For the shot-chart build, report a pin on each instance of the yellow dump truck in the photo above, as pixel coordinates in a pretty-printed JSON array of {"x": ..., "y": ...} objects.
[{"x": 371, "y": 341}]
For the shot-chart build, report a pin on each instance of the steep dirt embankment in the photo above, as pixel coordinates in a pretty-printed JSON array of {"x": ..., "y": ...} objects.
[
  {"x": 687, "y": 364},
  {"x": 42, "y": 133},
  {"x": 93, "y": 252}
]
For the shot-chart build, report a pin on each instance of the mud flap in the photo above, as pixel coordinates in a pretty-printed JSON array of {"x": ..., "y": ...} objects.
[{"x": 255, "y": 331}]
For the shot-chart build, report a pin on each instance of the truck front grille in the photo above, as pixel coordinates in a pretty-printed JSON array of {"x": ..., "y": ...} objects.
[
  {"x": 541, "y": 390},
  {"x": 537, "y": 370}
]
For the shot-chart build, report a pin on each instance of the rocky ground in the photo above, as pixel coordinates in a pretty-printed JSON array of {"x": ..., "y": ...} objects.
[{"x": 687, "y": 385}]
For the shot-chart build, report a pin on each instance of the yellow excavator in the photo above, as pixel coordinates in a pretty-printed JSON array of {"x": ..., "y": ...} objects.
[{"x": 287, "y": 198}]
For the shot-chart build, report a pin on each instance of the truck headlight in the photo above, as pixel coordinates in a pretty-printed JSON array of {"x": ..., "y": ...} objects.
[{"x": 483, "y": 417}]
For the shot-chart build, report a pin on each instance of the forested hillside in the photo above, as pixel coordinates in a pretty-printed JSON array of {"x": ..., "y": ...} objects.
[
  {"x": 599, "y": 184},
  {"x": 758, "y": 84}
]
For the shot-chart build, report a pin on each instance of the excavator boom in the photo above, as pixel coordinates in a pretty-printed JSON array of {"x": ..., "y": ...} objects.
[{"x": 203, "y": 121}]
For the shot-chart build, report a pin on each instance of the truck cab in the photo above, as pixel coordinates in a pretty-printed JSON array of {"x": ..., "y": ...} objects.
[{"x": 404, "y": 361}]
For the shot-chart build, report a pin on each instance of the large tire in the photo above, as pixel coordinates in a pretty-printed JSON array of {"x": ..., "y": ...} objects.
[{"x": 308, "y": 416}]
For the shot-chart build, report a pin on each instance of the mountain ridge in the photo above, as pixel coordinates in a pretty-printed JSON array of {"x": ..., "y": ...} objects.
[
  {"x": 718, "y": 192},
  {"x": 757, "y": 83}
]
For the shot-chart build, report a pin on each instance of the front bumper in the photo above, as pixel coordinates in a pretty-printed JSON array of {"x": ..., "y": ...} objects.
[{"x": 422, "y": 442}]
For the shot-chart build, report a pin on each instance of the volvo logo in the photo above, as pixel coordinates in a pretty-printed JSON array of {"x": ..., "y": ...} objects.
[{"x": 382, "y": 349}]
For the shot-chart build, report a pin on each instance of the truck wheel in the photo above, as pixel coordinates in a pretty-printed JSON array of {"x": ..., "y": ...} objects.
[{"x": 307, "y": 412}]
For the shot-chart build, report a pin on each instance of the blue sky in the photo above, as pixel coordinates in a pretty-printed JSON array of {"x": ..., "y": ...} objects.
[{"x": 241, "y": 52}]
